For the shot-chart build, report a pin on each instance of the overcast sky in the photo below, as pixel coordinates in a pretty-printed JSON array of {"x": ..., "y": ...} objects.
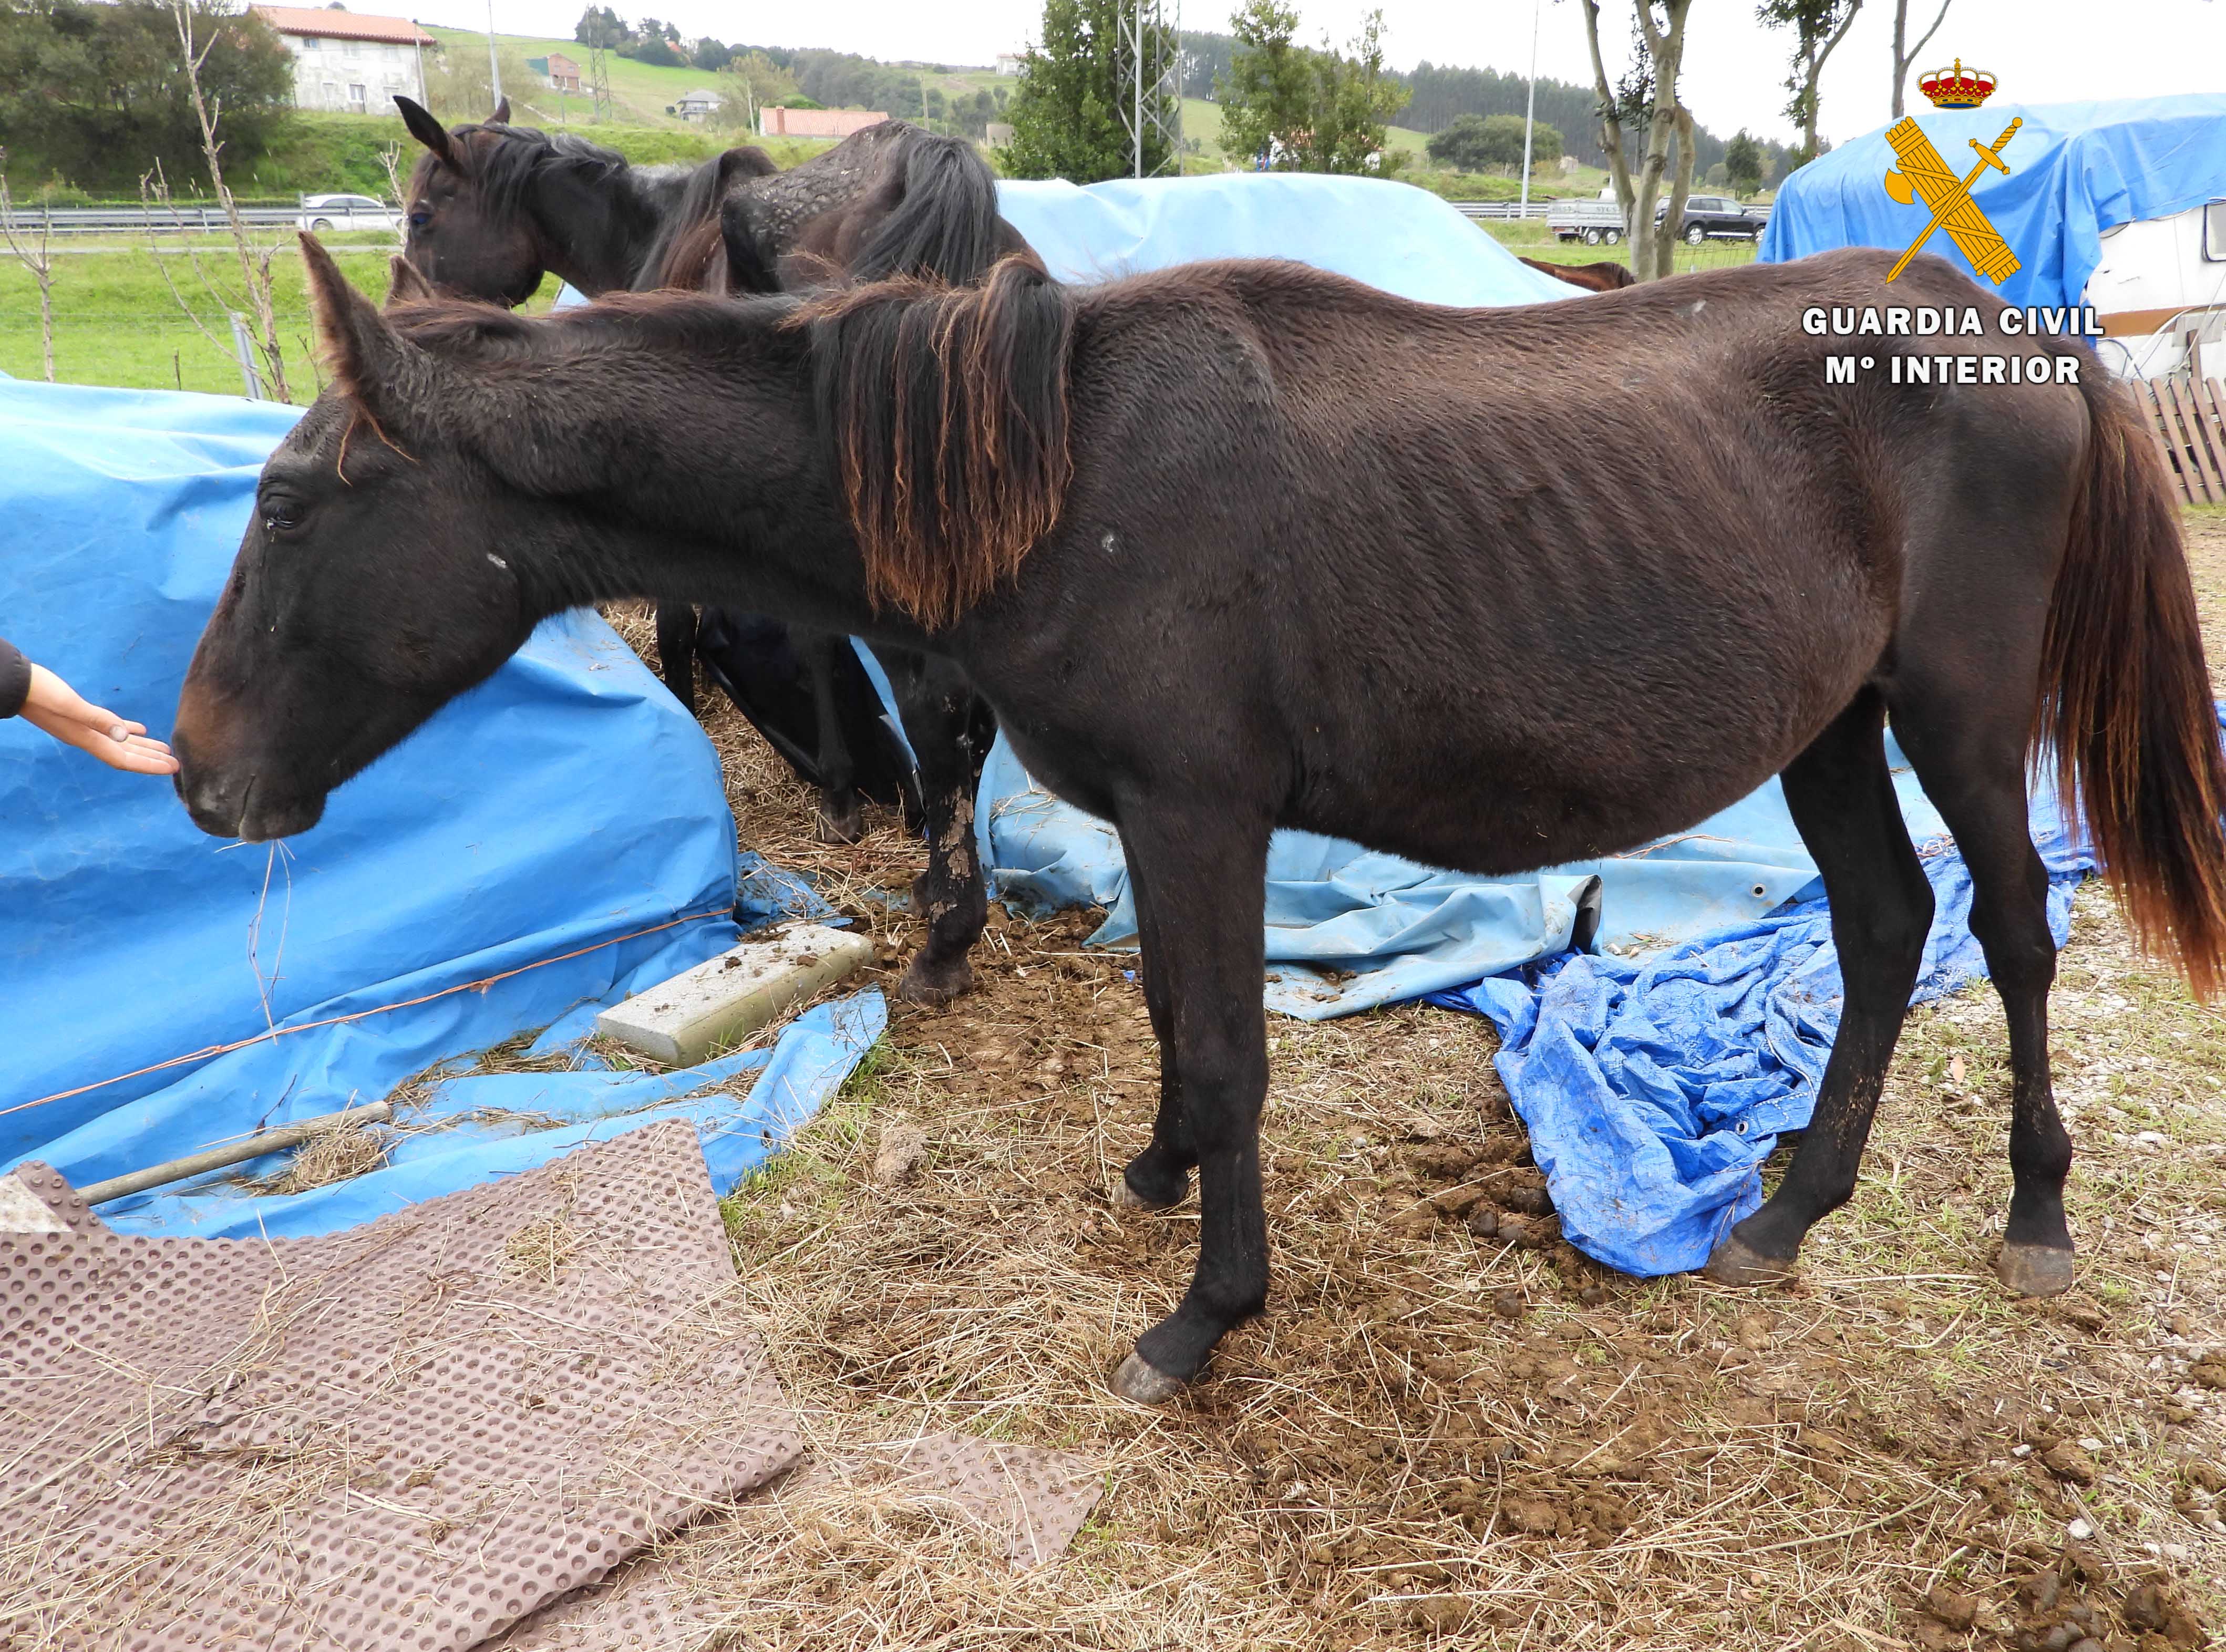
[{"x": 2045, "y": 51}]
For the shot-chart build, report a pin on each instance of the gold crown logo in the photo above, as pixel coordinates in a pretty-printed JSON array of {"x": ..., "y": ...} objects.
[{"x": 1957, "y": 88}]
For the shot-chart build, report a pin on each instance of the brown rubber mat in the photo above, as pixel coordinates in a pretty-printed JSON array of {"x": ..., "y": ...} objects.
[
  {"x": 409, "y": 1434},
  {"x": 1026, "y": 1502},
  {"x": 66, "y": 1208}
]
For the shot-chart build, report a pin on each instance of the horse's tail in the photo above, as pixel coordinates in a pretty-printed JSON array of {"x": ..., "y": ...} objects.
[
  {"x": 945, "y": 226},
  {"x": 947, "y": 411},
  {"x": 2125, "y": 697}
]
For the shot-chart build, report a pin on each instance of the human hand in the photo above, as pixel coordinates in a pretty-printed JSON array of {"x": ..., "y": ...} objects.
[{"x": 61, "y": 711}]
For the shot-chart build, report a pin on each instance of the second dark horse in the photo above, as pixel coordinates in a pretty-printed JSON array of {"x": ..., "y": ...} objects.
[{"x": 493, "y": 207}]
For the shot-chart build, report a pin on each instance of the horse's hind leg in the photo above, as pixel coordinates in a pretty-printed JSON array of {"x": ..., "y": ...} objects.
[
  {"x": 1966, "y": 741},
  {"x": 841, "y": 820},
  {"x": 937, "y": 703},
  {"x": 1841, "y": 796}
]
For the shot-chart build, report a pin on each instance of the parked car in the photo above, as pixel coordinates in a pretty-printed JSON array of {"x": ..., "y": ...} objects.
[
  {"x": 321, "y": 212},
  {"x": 1716, "y": 218}
]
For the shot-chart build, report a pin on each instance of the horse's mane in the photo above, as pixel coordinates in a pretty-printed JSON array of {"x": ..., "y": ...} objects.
[
  {"x": 502, "y": 162},
  {"x": 689, "y": 233},
  {"x": 945, "y": 227},
  {"x": 946, "y": 409}
]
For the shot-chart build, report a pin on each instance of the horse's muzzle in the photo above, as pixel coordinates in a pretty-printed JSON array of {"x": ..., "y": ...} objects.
[{"x": 238, "y": 806}]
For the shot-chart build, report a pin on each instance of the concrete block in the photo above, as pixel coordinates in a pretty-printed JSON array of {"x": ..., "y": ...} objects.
[{"x": 723, "y": 1000}]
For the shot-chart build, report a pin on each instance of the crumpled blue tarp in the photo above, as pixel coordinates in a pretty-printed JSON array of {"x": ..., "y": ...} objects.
[
  {"x": 474, "y": 1128},
  {"x": 566, "y": 807},
  {"x": 2076, "y": 170},
  {"x": 1654, "y": 1088}
]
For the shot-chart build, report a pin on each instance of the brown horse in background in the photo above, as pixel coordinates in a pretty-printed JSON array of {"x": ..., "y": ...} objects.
[
  {"x": 1187, "y": 535},
  {"x": 1603, "y": 278},
  {"x": 494, "y": 207}
]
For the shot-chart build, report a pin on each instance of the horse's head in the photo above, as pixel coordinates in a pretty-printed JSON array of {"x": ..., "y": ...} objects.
[
  {"x": 372, "y": 584},
  {"x": 467, "y": 233}
]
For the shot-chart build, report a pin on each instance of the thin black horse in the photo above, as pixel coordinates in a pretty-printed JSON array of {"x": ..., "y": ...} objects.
[
  {"x": 493, "y": 208},
  {"x": 1189, "y": 536}
]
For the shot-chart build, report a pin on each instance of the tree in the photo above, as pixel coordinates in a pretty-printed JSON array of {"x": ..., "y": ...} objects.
[
  {"x": 710, "y": 56},
  {"x": 600, "y": 26},
  {"x": 1904, "y": 56},
  {"x": 93, "y": 92},
  {"x": 1473, "y": 142},
  {"x": 1067, "y": 110},
  {"x": 1267, "y": 97},
  {"x": 1647, "y": 96},
  {"x": 1743, "y": 164},
  {"x": 1355, "y": 99},
  {"x": 1818, "y": 26},
  {"x": 1307, "y": 111}
]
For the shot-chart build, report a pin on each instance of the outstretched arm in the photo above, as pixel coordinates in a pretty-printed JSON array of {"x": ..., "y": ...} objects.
[{"x": 47, "y": 702}]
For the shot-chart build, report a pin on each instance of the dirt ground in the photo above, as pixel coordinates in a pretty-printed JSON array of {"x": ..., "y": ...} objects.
[{"x": 1450, "y": 1428}]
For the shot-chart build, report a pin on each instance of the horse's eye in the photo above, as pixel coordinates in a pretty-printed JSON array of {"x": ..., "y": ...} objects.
[
  {"x": 281, "y": 516},
  {"x": 418, "y": 221}
]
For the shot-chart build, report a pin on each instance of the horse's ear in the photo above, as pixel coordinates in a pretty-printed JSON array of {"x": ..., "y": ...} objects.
[
  {"x": 748, "y": 270},
  {"x": 406, "y": 284},
  {"x": 747, "y": 162},
  {"x": 369, "y": 361},
  {"x": 425, "y": 128},
  {"x": 501, "y": 115}
]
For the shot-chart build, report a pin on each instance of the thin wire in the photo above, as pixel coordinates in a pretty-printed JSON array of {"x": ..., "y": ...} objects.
[
  {"x": 263, "y": 989},
  {"x": 215, "y": 1050}
]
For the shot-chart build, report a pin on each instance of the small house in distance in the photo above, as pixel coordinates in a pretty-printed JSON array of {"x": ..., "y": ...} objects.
[
  {"x": 697, "y": 106},
  {"x": 562, "y": 73},
  {"x": 779, "y": 122},
  {"x": 350, "y": 62}
]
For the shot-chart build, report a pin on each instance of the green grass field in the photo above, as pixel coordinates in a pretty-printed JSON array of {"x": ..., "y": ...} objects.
[
  {"x": 642, "y": 91},
  {"x": 116, "y": 321},
  {"x": 1535, "y": 240}
]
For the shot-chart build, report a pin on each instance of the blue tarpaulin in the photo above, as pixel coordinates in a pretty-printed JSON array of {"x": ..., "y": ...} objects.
[
  {"x": 2076, "y": 170},
  {"x": 560, "y": 834},
  {"x": 1654, "y": 1088},
  {"x": 1389, "y": 235}
]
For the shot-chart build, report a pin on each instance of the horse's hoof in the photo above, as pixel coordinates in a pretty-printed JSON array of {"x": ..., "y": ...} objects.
[
  {"x": 1735, "y": 1262},
  {"x": 2036, "y": 1270},
  {"x": 1130, "y": 1199},
  {"x": 1139, "y": 1380},
  {"x": 935, "y": 984},
  {"x": 1162, "y": 1190}
]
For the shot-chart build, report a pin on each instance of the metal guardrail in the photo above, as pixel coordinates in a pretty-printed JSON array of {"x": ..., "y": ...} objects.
[
  {"x": 32, "y": 221},
  {"x": 1511, "y": 209},
  {"x": 1498, "y": 209}
]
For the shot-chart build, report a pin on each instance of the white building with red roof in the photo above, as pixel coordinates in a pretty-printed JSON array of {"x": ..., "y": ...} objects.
[{"x": 349, "y": 61}]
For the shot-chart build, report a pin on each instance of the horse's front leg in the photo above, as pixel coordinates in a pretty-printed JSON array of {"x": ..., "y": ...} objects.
[
  {"x": 937, "y": 702},
  {"x": 1203, "y": 869},
  {"x": 841, "y": 820}
]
